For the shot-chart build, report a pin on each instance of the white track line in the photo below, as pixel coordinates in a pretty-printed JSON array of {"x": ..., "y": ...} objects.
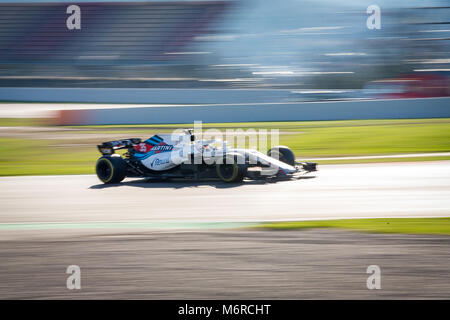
[{"x": 410, "y": 155}]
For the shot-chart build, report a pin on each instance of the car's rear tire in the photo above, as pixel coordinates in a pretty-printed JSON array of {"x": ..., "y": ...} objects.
[
  {"x": 282, "y": 153},
  {"x": 233, "y": 168},
  {"x": 111, "y": 169}
]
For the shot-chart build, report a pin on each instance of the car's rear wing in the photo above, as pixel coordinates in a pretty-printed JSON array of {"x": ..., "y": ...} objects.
[{"x": 108, "y": 147}]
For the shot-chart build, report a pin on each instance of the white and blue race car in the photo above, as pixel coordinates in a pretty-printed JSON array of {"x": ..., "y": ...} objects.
[{"x": 182, "y": 156}]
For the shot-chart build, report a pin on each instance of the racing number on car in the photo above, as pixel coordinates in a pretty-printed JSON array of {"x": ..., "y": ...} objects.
[{"x": 143, "y": 147}]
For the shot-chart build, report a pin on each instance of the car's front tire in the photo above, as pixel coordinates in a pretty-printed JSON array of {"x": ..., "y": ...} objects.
[
  {"x": 111, "y": 169},
  {"x": 282, "y": 153}
]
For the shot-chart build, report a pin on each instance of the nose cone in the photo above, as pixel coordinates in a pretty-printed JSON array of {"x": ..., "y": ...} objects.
[{"x": 287, "y": 170}]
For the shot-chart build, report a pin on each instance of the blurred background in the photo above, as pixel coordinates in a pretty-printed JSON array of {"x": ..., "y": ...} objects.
[{"x": 312, "y": 49}]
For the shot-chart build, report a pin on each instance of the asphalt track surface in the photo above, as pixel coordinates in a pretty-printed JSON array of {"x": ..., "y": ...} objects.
[
  {"x": 81, "y": 204},
  {"x": 166, "y": 240}
]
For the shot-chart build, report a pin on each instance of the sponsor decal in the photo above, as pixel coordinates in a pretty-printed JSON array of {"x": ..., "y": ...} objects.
[
  {"x": 144, "y": 147},
  {"x": 159, "y": 162},
  {"x": 166, "y": 147}
]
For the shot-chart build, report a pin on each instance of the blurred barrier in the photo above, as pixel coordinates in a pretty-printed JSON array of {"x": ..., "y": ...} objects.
[
  {"x": 140, "y": 95},
  {"x": 345, "y": 110}
]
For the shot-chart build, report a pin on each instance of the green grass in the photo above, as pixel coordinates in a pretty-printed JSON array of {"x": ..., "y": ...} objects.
[
  {"x": 20, "y": 122},
  {"x": 36, "y": 155},
  {"x": 41, "y": 157},
  {"x": 337, "y": 138},
  {"x": 382, "y": 225},
  {"x": 379, "y": 139}
]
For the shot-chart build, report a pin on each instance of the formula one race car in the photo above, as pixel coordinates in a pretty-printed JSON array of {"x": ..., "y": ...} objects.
[{"x": 182, "y": 156}]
